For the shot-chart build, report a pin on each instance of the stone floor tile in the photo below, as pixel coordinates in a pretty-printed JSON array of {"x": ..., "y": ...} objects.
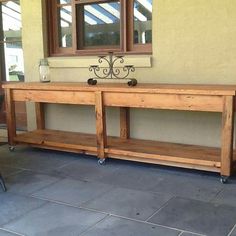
[
  {"x": 121, "y": 227},
  {"x": 197, "y": 216},
  {"x": 129, "y": 203},
  {"x": 227, "y": 195},
  {"x": 55, "y": 220},
  {"x": 28, "y": 182},
  {"x": 136, "y": 176},
  {"x": 13, "y": 206},
  {"x": 196, "y": 187},
  {"x": 39, "y": 160},
  {"x": 87, "y": 169},
  {"x": 73, "y": 192}
]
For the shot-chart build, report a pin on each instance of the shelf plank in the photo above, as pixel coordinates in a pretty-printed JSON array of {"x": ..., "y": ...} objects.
[
  {"x": 191, "y": 156},
  {"x": 166, "y": 153},
  {"x": 62, "y": 140}
]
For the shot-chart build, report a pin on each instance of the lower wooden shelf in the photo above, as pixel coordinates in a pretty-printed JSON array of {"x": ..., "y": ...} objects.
[
  {"x": 60, "y": 140},
  {"x": 189, "y": 156}
]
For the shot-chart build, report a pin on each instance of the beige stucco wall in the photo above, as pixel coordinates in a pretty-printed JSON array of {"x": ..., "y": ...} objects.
[{"x": 193, "y": 42}]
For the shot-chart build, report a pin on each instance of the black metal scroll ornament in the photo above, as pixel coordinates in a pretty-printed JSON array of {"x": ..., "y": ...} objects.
[{"x": 111, "y": 72}]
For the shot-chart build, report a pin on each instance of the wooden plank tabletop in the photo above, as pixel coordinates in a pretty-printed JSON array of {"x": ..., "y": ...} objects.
[{"x": 201, "y": 89}]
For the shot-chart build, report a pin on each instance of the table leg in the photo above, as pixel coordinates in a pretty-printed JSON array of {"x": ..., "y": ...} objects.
[
  {"x": 11, "y": 119},
  {"x": 227, "y": 138},
  {"x": 124, "y": 122},
  {"x": 100, "y": 127},
  {"x": 40, "y": 117}
]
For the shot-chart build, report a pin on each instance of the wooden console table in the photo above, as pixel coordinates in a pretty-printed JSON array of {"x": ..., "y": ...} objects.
[{"x": 210, "y": 98}]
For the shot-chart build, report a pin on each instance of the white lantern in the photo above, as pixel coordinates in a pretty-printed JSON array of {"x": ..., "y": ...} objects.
[{"x": 44, "y": 70}]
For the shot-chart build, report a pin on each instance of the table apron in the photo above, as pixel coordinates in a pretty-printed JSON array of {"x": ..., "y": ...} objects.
[{"x": 165, "y": 101}]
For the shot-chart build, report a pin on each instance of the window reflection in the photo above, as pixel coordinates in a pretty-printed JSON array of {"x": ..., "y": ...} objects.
[
  {"x": 142, "y": 21},
  {"x": 63, "y": 1},
  {"x": 101, "y": 24},
  {"x": 11, "y": 17},
  {"x": 65, "y": 30},
  {"x": 11, "y": 40}
]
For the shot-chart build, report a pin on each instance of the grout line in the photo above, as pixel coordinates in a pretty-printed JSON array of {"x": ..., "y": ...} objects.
[
  {"x": 216, "y": 195},
  {"x": 46, "y": 186},
  {"x": 30, "y": 194},
  {"x": 93, "y": 226},
  {"x": 113, "y": 215},
  {"x": 231, "y": 230},
  {"x": 25, "y": 213},
  {"x": 102, "y": 212},
  {"x": 10, "y": 231},
  {"x": 144, "y": 222},
  {"x": 64, "y": 165},
  {"x": 68, "y": 204},
  {"x": 184, "y": 231},
  {"x": 61, "y": 202},
  {"x": 160, "y": 208},
  {"x": 14, "y": 167},
  {"x": 99, "y": 195},
  {"x": 14, "y": 173}
]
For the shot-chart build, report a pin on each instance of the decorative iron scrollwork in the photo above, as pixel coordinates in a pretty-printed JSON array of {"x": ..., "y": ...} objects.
[{"x": 111, "y": 71}]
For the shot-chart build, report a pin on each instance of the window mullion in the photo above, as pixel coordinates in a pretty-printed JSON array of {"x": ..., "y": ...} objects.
[
  {"x": 74, "y": 35},
  {"x": 124, "y": 25},
  {"x": 2, "y": 53},
  {"x": 130, "y": 24}
]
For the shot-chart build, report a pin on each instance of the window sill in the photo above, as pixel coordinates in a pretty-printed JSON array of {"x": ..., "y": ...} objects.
[{"x": 139, "y": 61}]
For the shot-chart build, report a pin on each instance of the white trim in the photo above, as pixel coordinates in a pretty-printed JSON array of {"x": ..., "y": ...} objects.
[{"x": 139, "y": 61}]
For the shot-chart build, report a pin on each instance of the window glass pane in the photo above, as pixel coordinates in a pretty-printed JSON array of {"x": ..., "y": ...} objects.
[
  {"x": 142, "y": 21},
  {"x": 101, "y": 24},
  {"x": 11, "y": 17},
  {"x": 14, "y": 61},
  {"x": 64, "y": 27},
  {"x": 11, "y": 41},
  {"x": 63, "y": 1}
]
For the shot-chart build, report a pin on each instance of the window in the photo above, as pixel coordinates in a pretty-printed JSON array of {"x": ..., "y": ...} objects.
[
  {"x": 11, "y": 53},
  {"x": 11, "y": 56},
  {"x": 82, "y": 27}
]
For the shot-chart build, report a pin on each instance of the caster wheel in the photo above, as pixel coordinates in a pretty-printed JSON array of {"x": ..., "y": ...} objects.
[
  {"x": 11, "y": 148},
  {"x": 132, "y": 82},
  {"x": 224, "y": 179},
  {"x": 92, "y": 81},
  {"x": 102, "y": 161}
]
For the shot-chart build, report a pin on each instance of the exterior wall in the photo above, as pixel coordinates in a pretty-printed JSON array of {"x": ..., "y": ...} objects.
[{"x": 193, "y": 42}]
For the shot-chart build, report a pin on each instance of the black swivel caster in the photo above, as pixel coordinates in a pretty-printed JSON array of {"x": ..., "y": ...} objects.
[
  {"x": 2, "y": 183},
  {"x": 11, "y": 148},
  {"x": 132, "y": 82},
  {"x": 92, "y": 81},
  {"x": 224, "y": 179},
  {"x": 102, "y": 161}
]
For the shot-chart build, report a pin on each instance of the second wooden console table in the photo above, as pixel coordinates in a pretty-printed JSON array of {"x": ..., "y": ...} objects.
[{"x": 210, "y": 98}]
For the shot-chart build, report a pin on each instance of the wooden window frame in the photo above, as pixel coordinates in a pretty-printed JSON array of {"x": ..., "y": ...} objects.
[
  {"x": 127, "y": 45},
  {"x": 54, "y": 48}
]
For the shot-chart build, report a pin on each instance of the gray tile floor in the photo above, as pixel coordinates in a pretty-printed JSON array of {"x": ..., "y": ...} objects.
[{"x": 63, "y": 194}]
